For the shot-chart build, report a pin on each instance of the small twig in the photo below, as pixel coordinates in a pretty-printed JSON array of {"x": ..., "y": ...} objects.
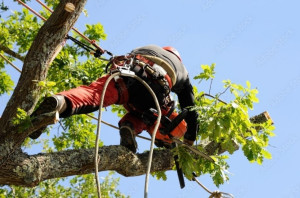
[
  {"x": 62, "y": 126},
  {"x": 211, "y": 96},
  {"x": 211, "y": 81},
  {"x": 224, "y": 91}
]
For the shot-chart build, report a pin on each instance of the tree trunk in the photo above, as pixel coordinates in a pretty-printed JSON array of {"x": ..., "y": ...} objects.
[{"x": 35, "y": 68}]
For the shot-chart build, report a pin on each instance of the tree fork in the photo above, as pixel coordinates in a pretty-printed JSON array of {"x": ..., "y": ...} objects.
[{"x": 38, "y": 58}]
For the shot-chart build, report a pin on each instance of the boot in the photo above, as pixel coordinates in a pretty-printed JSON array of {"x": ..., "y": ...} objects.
[
  {"x": 50, "y": 104},
  {"x": 128, "y": 138}
]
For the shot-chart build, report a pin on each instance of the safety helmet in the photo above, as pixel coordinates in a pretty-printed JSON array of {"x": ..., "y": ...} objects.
[{"x": 173, "y": 51}]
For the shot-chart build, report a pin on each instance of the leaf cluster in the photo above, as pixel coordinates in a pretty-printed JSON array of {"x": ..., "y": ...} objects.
[
  {"x": 80, "y": 186},
  {"x": 22, "y": 120},
  {"x": 17, "y": 32},
  {"x": 78, "y": 132},
  {"x": 227, "y": 125}
]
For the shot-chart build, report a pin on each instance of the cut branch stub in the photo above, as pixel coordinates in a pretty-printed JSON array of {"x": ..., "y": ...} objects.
[
  {"x": 261, "y": 118},
  {"x": 69, "y": 7}
]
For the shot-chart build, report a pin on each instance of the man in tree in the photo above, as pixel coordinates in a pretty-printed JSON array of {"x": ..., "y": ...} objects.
[{"x": 163, "y": 71}]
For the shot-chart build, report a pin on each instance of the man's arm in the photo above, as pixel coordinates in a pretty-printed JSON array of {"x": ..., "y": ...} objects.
[{"x": 186, "y": 99}]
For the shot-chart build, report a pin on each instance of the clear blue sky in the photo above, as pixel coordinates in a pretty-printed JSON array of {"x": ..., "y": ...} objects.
[{"x": 248, "y": 40}]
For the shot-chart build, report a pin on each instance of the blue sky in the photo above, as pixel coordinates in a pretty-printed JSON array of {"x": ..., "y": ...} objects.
[{"x": 248, "y": 40}]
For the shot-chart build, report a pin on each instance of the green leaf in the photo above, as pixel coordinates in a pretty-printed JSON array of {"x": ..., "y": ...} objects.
[
  {"x": 208, "y": 72},
  {"x": 6, "y": 84},
  {"x": 160, "y": 175},
  {"x": 266, "y": 154},
  {"x": 248, "y": 84},
  {"x": 51, "y": 83},
  {"x": 42, "y": 83}
]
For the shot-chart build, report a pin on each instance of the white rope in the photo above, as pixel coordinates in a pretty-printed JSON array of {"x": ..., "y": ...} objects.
[
  {"x": 97, "y": 159},
  {"x": 214, "y": 194}
]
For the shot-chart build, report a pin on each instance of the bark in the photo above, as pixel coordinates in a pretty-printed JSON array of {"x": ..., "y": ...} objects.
[{"x": 25, "y": 170}]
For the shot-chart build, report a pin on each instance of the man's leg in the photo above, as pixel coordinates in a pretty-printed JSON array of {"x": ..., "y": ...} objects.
[
  {"x": 80, "y": 100},
  {"x": 86, "y": 99}
]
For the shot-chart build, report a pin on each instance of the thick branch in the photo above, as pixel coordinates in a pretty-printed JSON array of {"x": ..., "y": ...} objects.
[
  {"x": 11, "y": 52},
  {"x": 30, "y": 170},
  {"x": 25, "y": 170}
]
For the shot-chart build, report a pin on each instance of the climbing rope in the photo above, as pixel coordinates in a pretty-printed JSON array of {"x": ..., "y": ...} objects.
[
  {"x": 214, "y": 194},
  {"x": 97, "y": 159},
  {"x": 30, "y": 9},
  {"x": 98, "y": 52}
]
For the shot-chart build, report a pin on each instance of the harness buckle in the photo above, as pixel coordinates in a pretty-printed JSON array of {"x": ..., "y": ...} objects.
[{"x": 125, "y": 68}]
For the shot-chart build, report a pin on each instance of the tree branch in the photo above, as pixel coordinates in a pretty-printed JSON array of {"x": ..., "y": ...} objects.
[
  {"x": 11, "y": 52},
  {"x": 27, "y": 170}
]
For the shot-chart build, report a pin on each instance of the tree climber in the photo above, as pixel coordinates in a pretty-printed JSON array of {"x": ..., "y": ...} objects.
[{"x": 162, "y": 70}]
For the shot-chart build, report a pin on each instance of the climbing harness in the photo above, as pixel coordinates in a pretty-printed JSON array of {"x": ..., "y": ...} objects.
[{"x": 145, "y": 69}]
